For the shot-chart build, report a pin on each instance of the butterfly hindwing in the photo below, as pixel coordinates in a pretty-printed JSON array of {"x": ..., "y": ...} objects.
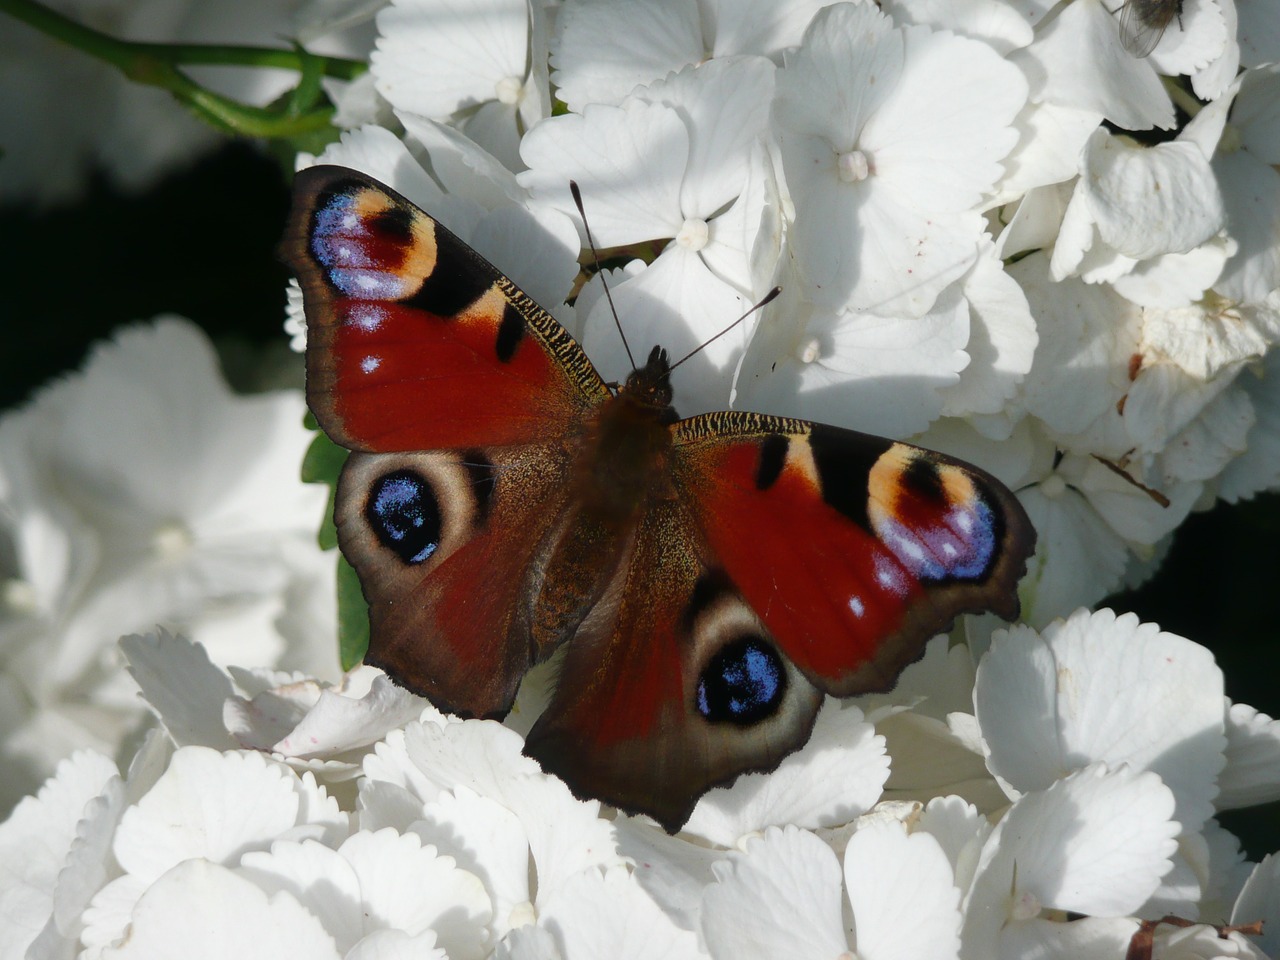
[
  {"x": 451, "y": 588},
  {"x": 415, "y": 341},
  {"x": 853, "y": 549},
  {"x": 672, "y": 686}
]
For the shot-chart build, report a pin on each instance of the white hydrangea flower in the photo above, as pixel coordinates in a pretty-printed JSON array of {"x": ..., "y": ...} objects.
[
  {"x": 307, "y": 723},
  {"x": 603, "y": 49},
  {"x": 782, "y": 897},
  {"x": 675, "y": 161},
  {"x": 887, "y": 177},
  {"x": 141, "y": 491},
  {"x": 484, "y": 66}
]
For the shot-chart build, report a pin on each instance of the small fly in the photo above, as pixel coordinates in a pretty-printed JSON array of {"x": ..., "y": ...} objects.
[{"x": 1143, "y": 23}]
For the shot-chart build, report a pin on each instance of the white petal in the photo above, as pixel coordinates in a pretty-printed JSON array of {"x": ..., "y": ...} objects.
[
  {"x": 1002, "y": 340},
  {"x": 1098, "y": 687},
  {"x": 1260, "y": 900},
  {"x": 725, "y": 104},
  {"x": 210, "y": 805},
  {"x": 234, "y": 919},
  {"x": 607, "y": 914},
  {"x": 673, "y": 870},
  {"x": 1079, "y": 559},
  {"x": 604, "y": 48},
  {"x": 1122, "y": 837},
  {"x": 905, "y": 902},
  {"x": 36, "y": 840},
  {"x": 1252, "y": 773},
  {"x": 318, "y": 878},
  {"x": 834, "y": 777},
  {"x": 182, "y": 687},
  {"x": 961, "y": 832},
  {"x": 1149, "y": 201},
  {"x": 486, "y": 839},
  {"x": 628, "y": 162},
  {"x": 781, "y": 898},
  {"x": 438, "y": 56},
  {"x": 1252, "y": 196},
  {"x": 1077, "y": 61},
  {"x": 407, "y": 886}
]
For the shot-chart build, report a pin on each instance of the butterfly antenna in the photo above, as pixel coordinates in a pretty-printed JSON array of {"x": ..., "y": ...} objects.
[
  {"x": 768, "y": 297},
  {"x": 577, "y": 199}
]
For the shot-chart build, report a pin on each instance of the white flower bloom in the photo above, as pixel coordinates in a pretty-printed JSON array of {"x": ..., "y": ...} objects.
[
  {"x": 484, "y": 67},
  {"x": 603, "y": 49},
  {"x": 781, "y": 897},
  {"x": 836, "y": 776},
  {"x": 890, "y": 138},
  {"x": 1253, "y": 756},
  {"x": 1122, "y": 837},
  {"x": 675, "y": 161},
  {"x": 462, "y": 785},
  {"x": 378, "y": 883},
  {"x": 1244, "y": 162},
  {"x": 1258, "y": 467},
  {"x": 143, "y": 490},
  {"x": 307, "y": 723},
  {"x": 1134, "y": 203},
  {"x": 1077, "y": 61},
  {"x": 1097, "y": 687}
]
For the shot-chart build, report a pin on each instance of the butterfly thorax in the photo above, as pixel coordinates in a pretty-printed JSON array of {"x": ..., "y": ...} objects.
[{"x": 625, "y": 458}]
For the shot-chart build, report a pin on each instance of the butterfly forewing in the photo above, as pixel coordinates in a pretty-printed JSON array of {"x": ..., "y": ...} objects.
[
  {"x": 415, "y": 341},
  {"x": 854, "y": 549}
]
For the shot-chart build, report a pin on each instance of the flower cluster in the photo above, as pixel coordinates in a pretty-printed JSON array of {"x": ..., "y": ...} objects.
[
  {"x": 971, "y": 249},
  {"x": 1002, "y": 812},
  {"x": 996, "y": 230}
]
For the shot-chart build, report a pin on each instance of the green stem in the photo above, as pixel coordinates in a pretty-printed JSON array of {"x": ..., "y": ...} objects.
[{"x": 156, "y": 64}]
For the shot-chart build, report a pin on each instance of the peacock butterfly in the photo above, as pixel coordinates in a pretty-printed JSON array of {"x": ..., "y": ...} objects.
[{"x": 712, "y": 577}]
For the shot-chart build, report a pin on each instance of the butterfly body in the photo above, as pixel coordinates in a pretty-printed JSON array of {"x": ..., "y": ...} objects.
[{"x": 708, "y": 580}]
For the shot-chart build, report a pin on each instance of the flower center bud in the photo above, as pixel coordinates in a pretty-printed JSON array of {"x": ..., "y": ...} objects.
[
  {"x": 171, "y": 541},
  {"x": 853, "y": 166},
  {"x": 522, "y": 915},
  {"x": 18, "y": 596},
  {"x": 809, "y": 351},
  {"x": 509, "y": 90},
  {"x": 693, "y": 234},
  {"x": 1053, "y": 486},
  {"x": 1025, "y": 906}
]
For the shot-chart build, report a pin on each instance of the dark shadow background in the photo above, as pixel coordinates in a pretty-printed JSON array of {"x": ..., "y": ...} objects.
[{"x": 202, "y": 242}]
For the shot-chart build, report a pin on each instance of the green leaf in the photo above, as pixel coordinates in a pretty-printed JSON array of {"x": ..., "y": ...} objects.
[
  {"x": 322, "y": 464},
  {"x": 353, "y": 616}
]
